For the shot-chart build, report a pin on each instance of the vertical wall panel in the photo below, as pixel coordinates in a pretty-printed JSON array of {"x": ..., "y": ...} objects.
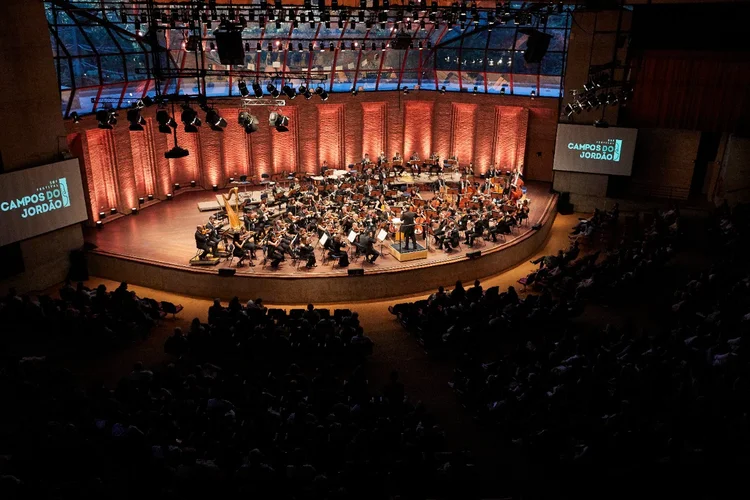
[
  {"x": 417, "y": 129},
  {"x": 125, "y": 169},
  {"x": 462, "y": 136},
  {"x": 144, "y": 161},
  {"x": 308, "y": 131},
  {"x": 285, "y": 144},
  {"x": 506, "y": 144},
  {"x": 374, "y": 120},
  {"x": 213, "y": 157},
  {"x": 163, "y": 168},
  {"x": 485, "y": 138},
  {"x": 260, "y": 148},
  {"x": 441, "y": 129},
  {"x": 101, "y": 157},
  {"x": 185, "y": 169},
  {"x": 395, "y": 128},
  {"x": 331, "y": 136},
  {"x": 522, "y": 131},
  {"x": 235, "y": 146},
  {"x": 353, "y": 121}
]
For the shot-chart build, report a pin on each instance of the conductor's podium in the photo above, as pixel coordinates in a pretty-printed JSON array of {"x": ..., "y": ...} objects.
[{"x": 402, "y": 255}]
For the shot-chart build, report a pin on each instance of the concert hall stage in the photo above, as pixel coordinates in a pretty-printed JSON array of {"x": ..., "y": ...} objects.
[{"x": 154, "y": 248}]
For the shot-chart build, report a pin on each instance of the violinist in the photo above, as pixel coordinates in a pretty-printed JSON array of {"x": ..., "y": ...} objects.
[
  {"x": 367, "y": 243},
  {"x": 474, "y": 230},
  {"x": 202, "y": 242},
  {"x": 274, "y": 252},
  {"x": 307, "y": 253},
  {"x": 242, "y": 248}
]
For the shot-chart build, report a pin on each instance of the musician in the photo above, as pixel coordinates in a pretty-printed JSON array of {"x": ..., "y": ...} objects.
[
  {"x": 307, "y": 252},
  {"x": 397, "y": 157},
  {"x": 398, "y": 169},
  {"x": 239, "y": 249},
  {"x": 381, "y": 158},
  {"x": 366, "y": 159},
  {"x": 407, "y": 228},
  {"x": 492, "y": 172},
  {"x": 367, "y": 243},
  {"x": 414, "y": 160},
  {"x": 469, "y": 169},
  {"x": 440, "y": 183},
  {"x": 474, "y": 230},
  {"x": 324, "y": 167},
  {"x": 202, "y": 242},
  {"x": 274, "y": 252}
]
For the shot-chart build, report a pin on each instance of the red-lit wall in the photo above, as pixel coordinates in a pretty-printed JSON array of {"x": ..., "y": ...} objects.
[{"x": 509, "y": 131}]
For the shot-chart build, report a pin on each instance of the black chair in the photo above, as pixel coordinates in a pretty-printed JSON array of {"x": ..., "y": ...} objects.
[{"x": 243, "y": 178}]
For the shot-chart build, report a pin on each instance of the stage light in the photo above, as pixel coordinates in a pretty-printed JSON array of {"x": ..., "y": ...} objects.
[
  {"x": 99, "y": 224},
  {"x": 289, "y": 91},
  {"x": 231, "y": 179},
  {"x": 136, "y": 120},
  {"x": 102, "y": 215},
  {"x": 133, "y": 211},
  {"x": 166, "y": 122},
  {"x": 106, "y": 118},
  {"x": 248, "y": 122},
  {"x": 502, "y": 90},
  {"x": 151, "y": 197},
  {"x": 176, "y": 186},
  {"x": 322, "y": 93},
  {"x": 141, "y": 200},
  {"x": 354, "y": 91},
  {"x": 243, "y": 88},
  {"x": 169, "y": 196},
  {"x": 75, "y": 117},
  {"x": 533, "y": 94},
  {"x": 112, "y": 211},
  {"x": 279, "y": 121},
  {"x": 271, "y": 88},
  {"x": 190, "y": 118},
  {"x": 257, "y": 90},
  {"x": 442, "y": 89},
  {"x": 192, "y": 184},
  {"x": 475, "y": 90},
  {"x": 302, "y": 89},
  {"x": 569, "y": 110},
  {"x": 215, "y": 187},
  {"x": 215, "y": 121},
  {"x": 406, "y": 90}
]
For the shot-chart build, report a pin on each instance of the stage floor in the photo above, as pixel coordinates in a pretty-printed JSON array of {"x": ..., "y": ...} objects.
[{"x": 163, "y": 234}]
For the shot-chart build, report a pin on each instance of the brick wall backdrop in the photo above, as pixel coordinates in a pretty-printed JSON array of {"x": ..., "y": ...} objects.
[
  {"x": 331, "y": 135},
  {"x": 121, "y": 165}
]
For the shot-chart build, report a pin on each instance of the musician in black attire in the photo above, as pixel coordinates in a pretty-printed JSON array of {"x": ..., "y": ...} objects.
[
  {"x": 475, "y": 232},
  {"x": 202, "y": 242},
  {"x": 307, "y": 253},
  {"x": 367, "y": 243},
  {"x": 239, "y": 250},
  {"x": 407, "y": 228}
]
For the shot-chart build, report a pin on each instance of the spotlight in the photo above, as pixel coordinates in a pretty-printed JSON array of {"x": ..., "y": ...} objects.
[
  {"x": 169, "y": 196},
  {"x": 231, "y": 179},
  {"x": 569, "y": 110},
  {"x": 141, "y": 200},
  {"x": 248, "y": 122},
  {"x": 257, "y": 90},
  {"x": 112, "y": 211},
  {"x": 102, "y": 215},
  {"x": 136, "y": 120},
  {"x": 279, "y": 121},
  {"x": 99, "y": 224},
  {"x": 406, "y": 90},
  {"x": 133, "y": 211},
  {"x": 106, "y": 118},
  {"x": 533, "y": 94},
  {"x": 190, "y": 118},
  {"x": 215, "y": 121},
  {"x": 442, "y": 89},
  {"x": 243, "y": 88},
  {"x": 502, "y": 90},
  {"x": 354, "y": 91},
  {"x": 215, "y": 187},
  {"x": 75, "y": 117},
  {"x": 322, "y": 93},
  {"x": 271, "y": 88},
  {"x": 166, "y": 122},
  {"x": 289, "y": 91},
  {"x": 302, "y": 89},
  {"x": 151, "y": 197},
  {"x": 475, "y": 90},
  {"x": 307, "y": 94},
  {"x": 177, "y": 186},
  {"x": 192, "y": 184}
]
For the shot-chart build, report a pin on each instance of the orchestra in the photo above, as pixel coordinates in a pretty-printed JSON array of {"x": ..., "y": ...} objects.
[{"x": 347, "y": 212}]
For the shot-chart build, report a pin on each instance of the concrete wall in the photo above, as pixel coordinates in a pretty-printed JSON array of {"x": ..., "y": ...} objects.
[{"x": 33, "y": 132}]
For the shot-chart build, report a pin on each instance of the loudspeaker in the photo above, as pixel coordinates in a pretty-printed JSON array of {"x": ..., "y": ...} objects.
[
  {"x": 229, "y": 45},
  {"x": 79, "y": 269},
  {"x": 356, "y": 272},
  {"x": 474, "y": 255},
  {"x": 227, "y": 271},
  {"x": 536, "y": 227},
  {"x": 564, "y": 207},
  {"x": 536, "y": 45}
]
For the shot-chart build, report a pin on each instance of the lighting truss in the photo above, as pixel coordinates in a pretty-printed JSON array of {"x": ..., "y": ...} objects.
[{"x": 246, "y": 103}]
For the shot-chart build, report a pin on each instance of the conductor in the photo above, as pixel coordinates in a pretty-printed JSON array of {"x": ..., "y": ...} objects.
[{"x": 407, "y": 228}]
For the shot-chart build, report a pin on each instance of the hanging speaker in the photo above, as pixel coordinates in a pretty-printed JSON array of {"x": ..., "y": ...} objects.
[
  {"x": 536, "y": 45},
  {"x": 229, "y": 45}
]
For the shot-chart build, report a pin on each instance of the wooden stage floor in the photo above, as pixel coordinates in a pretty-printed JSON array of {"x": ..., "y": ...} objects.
[{"x": 163, "y": 234}]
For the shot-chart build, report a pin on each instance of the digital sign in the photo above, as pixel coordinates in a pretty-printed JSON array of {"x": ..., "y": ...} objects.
[
  {"x": 37, "y": 200},
  {"x": 584, "y": 148}
]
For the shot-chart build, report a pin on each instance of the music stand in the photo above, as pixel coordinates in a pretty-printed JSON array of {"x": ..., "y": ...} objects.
[
  {"x": 352, "y": 236},
  {"x": 382, "y": 235},
  {"x": 322, "y": 243}
]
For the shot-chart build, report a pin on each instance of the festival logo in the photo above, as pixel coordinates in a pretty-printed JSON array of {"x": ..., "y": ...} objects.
[
  {"x": 52, "y": 196},
  {"x": 607, "y": 150}
]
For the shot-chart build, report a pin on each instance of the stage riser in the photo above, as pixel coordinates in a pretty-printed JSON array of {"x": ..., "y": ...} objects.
[{"x": 326, "y": 288}]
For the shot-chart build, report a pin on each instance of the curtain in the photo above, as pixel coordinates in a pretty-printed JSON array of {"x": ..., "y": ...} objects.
[{"x": 706, "y": 91}]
